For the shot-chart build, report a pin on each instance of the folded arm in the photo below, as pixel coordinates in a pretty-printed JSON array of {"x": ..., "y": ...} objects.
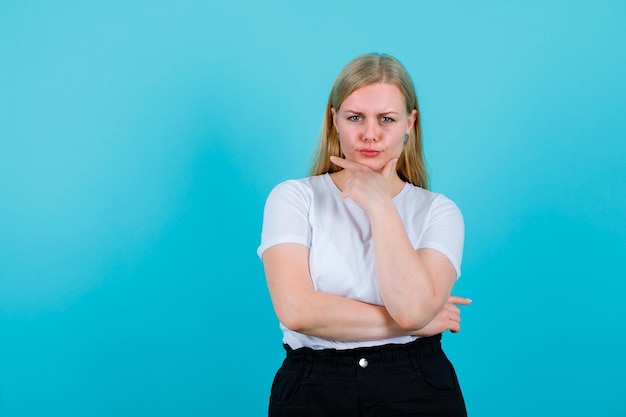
[{"x": 303, "y": 309}]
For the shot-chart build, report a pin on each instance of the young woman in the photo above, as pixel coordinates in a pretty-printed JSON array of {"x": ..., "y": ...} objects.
[{"x": 360, "y": 261}]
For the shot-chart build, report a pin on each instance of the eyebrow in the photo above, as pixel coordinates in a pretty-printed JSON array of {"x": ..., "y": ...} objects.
[{"x": 379, "y": 114}]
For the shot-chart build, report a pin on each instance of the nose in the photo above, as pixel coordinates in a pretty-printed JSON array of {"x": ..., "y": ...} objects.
[{"x": 371, "y": 131}]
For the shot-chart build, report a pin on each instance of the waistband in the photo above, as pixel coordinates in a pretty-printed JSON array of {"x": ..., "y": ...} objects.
[{"x": 375, "y": 357}]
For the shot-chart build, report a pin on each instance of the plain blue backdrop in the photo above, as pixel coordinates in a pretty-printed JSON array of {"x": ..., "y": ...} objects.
[{"x": 138, "y": 141}]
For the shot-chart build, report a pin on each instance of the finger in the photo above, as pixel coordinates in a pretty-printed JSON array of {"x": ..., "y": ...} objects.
[
  {"x": 454, "y": 326},
  {"x": 453, "y": 309},
  {"x": 459, "y": 300},
  {"x": 453, "y": 313},
  {"x": 344, "y": 163},
  {"x": 389, "y": 168}
]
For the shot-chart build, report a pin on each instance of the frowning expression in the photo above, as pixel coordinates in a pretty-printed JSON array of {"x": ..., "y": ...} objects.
[{"x": 372, "y": 123}]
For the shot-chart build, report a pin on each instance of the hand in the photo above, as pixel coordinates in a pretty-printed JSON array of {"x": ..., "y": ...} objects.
[
  {"x": 363, "y": 185},
  {"x": 448, "y": 318}
]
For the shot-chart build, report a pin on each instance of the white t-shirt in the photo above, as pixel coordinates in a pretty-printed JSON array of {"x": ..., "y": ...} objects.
[{"x": 337, "y": 232}]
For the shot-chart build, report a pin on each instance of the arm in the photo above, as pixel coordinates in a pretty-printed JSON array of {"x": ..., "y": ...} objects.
[
  {"x": 414, "y": 285},
  {"x": 303, "y": 309}
]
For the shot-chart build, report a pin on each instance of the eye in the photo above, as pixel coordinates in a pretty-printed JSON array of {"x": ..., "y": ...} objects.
[
  {"x": 386, "y": 119},
  {"x": 354, "y": 118}
]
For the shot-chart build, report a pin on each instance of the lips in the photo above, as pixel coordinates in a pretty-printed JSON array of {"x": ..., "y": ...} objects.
[{"x": 369, "y": 153}]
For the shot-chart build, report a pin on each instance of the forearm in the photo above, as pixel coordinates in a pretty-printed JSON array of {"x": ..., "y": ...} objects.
[
  {"x": 332, "y": 317},
  {"x": 369, "y": 322},
  {"x": 406, "y": 285}
]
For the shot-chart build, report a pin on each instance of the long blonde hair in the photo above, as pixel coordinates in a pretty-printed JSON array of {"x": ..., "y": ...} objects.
[{"x": 362, "y": 71}]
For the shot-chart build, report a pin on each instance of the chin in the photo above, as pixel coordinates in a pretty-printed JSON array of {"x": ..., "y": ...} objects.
[{"x": 374, "y": 166}]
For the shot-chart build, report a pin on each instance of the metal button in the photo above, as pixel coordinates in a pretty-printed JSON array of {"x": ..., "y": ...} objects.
[{"x": 363, "y": 363}]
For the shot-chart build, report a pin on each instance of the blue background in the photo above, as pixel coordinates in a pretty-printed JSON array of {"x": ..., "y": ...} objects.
[{"x": 138, "y": 141}]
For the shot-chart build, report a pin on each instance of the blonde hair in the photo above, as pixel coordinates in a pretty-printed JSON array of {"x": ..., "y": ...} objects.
[{"x": 362, "y": 71}]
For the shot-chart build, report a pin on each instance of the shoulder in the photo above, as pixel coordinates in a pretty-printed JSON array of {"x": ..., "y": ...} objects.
[
  {"x": 431, "y": 204},
  {"x": 441, "y": 203},
  {"x": 419, "y": 196},
  {"x": 297, "y": 186},
  {"x": 294, "y": 190}
]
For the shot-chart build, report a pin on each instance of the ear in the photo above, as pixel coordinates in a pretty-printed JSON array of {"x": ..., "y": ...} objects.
[
  {"x": 412, "y": 119},
  {"x": 333, "y": 113}
]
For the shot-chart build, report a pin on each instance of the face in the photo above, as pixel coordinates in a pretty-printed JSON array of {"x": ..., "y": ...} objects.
[{"x": 372, "y": 122}]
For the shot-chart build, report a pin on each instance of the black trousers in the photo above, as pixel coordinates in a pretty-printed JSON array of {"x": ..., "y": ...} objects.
[{"x": 413, "y": 379}]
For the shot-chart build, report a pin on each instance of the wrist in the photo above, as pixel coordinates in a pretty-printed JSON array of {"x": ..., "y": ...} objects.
[{"x": 380, "y": 207}]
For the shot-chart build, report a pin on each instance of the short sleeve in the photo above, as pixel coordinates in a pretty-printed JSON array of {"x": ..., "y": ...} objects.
[
  {"x": 286, "y": 216},
  {"x": 445, "y": 231}
]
